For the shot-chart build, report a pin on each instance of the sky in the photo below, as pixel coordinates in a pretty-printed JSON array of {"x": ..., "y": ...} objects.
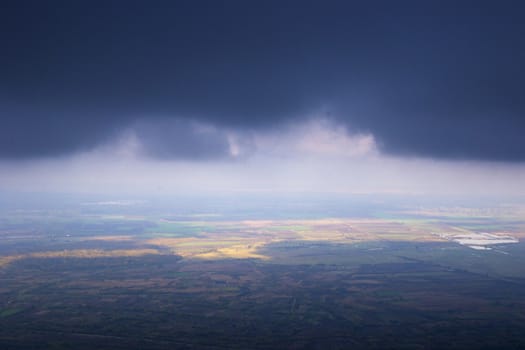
[{"x": 262, "y": 96}]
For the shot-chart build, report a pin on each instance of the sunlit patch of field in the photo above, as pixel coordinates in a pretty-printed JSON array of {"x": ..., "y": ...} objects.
[
  {"x": 240, "y": 251},
  {"x": 211, "y": 248},
  {"x": 6, "y": 260},
  {"x": 115, "y": 238},
  {"x": 257, "y": 223},
  {"x": 80, "y": 253},
  {"x": 94, "y": 253},
  {"x": 188, "y": 247},
  {"x": 351, "y": 231},
  {"x": 247, "y": 239}
]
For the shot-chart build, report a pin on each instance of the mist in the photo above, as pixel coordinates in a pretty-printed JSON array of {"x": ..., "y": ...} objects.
[{"x": 316, "y": 156}]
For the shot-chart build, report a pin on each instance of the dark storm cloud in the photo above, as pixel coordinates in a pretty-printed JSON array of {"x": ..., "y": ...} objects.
[
  {"x": 427, "y": 78},
  {"x": 30, "y": 132}
]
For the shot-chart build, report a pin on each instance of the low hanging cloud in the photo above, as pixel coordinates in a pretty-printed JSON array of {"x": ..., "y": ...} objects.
[
  {"x": 169, "y": 139},
  {"x": 178, "y": 139},
  {"x": 306, "y": 158}
]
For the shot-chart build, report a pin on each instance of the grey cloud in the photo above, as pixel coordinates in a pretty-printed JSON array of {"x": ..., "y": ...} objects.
[
  {"x": 439, "y": 79},
  {"x": 180, "y": 139}
]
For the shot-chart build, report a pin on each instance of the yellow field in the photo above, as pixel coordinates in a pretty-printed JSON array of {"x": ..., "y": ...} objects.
[
  {"x": 246, "y": 239},
  {"x": 79, "y": 253}
]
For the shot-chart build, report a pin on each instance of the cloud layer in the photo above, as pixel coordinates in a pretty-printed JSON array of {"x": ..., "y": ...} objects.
[{"x": 439, "y": 79}]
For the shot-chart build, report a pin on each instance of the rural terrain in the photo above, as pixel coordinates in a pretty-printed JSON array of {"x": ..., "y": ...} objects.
[{"x": 124, "y": 274}]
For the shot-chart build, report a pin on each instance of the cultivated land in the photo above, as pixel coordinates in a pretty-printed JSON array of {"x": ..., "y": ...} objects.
[{"x": 114, "y": 277}]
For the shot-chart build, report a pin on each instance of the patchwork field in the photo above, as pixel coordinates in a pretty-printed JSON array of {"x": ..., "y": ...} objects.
[{"x": 160, "y": 281}]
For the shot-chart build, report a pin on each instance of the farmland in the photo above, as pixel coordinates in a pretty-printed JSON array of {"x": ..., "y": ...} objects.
[{"x": 115, "y": 279}]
